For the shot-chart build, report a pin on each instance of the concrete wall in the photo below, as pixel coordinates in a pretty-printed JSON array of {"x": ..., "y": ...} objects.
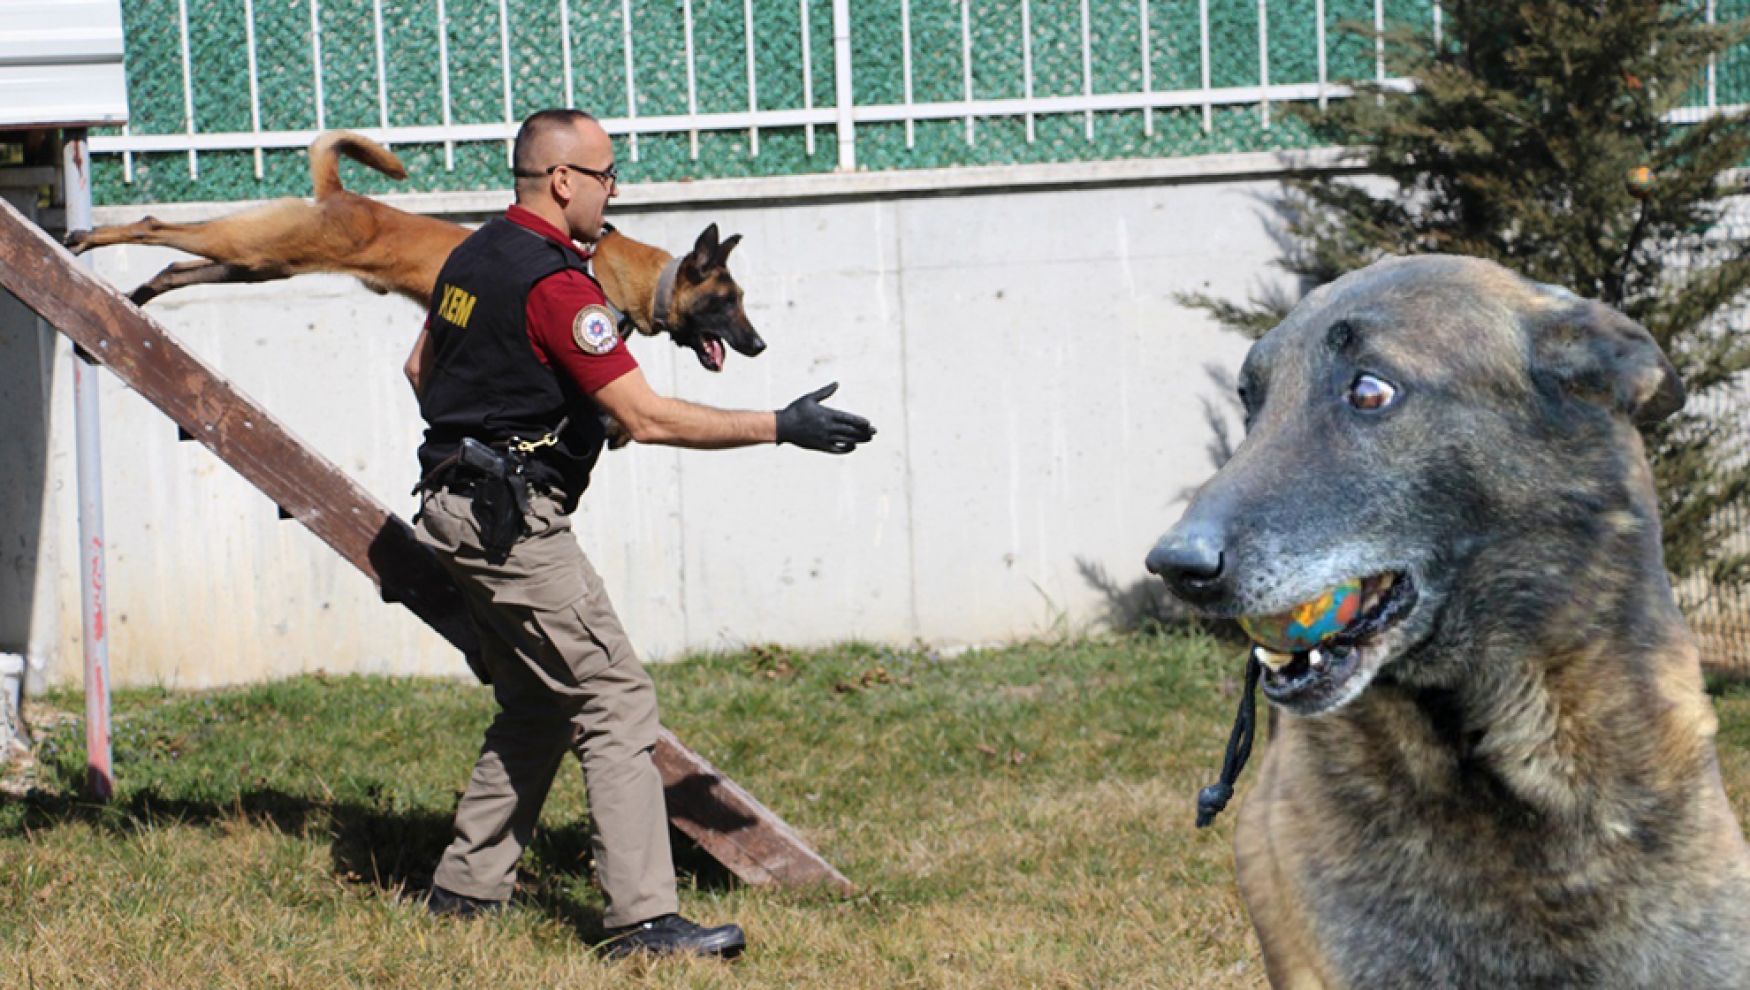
[
  {"x": 38, "y": 536},
  {"x": 1039, "y": 396}
]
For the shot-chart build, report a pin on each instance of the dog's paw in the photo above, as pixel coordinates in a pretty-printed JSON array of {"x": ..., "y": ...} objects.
[{"x": 77, "y": 241}]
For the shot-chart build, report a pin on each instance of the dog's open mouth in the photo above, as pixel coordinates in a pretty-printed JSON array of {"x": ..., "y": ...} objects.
[
  {"x": 711, "y": 353},
  {"x": 1310, "y": 657}
]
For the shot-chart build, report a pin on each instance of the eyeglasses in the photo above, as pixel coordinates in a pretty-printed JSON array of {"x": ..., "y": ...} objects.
[{"x": 609, "y": 176}]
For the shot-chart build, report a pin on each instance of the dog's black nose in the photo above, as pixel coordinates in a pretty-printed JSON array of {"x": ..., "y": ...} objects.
[
  {"x": 1190, "y": 561},
  {"x": 755, "y": 346}
]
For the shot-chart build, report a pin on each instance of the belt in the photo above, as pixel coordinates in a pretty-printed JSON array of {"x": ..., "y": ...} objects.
[
  {"x": 461, "y": 480},
  {"x": 513, "y": 457}
]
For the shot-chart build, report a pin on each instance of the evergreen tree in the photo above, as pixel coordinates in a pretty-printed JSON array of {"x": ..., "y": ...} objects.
[{"x": 1542, "y": 134}]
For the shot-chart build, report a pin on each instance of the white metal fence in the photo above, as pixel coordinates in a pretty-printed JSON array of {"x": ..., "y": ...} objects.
[{"x": 843, "y": 116}]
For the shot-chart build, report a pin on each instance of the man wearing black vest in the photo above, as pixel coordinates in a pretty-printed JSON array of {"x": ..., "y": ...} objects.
[{"x": 518, "y": 358}]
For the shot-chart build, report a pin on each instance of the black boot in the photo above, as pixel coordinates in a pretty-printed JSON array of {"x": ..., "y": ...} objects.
[
  {"x": 447, "y": 903},
  {"x": 672, "y": 934}
]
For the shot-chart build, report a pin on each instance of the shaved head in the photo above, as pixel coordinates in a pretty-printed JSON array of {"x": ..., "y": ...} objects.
[
  {"x": 553, "y": 137},
  {"x": 564, "y": 166}
]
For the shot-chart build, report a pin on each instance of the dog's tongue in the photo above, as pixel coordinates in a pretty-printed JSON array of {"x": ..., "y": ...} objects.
[
  {"x": 714, "y": 354},
  {"x": 1308, "y": 624}
]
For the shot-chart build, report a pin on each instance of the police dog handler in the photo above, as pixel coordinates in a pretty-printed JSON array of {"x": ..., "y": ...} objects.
[{"x": 518, "y": 359}]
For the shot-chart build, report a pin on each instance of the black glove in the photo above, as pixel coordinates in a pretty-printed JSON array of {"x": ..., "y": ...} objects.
[{"x": 807, "y": 423}]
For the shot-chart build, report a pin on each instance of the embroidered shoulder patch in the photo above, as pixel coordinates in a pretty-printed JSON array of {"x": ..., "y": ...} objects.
[{"x": 593, "y": 330}]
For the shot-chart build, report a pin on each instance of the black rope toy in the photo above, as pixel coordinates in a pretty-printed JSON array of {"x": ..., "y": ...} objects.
[{"x": 1212, "y": 799}]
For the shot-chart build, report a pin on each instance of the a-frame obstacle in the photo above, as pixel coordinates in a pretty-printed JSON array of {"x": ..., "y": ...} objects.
[{"x": 725, "y": 820}]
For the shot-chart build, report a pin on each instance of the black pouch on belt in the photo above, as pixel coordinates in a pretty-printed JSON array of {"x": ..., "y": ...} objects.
[{"x": 501, "y": 495}]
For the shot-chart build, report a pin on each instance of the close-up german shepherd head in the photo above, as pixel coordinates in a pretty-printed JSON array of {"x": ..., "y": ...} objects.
[
  {"x": 1441, "y": 534},
  {"x": 1454, "y": 448}
]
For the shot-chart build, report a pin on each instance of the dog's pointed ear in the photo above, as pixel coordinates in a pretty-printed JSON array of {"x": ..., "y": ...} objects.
[
  {"x": 699, "y": 258},
  {"x": 1592, "y": 352},
  {"x": 721, "y": 258}
]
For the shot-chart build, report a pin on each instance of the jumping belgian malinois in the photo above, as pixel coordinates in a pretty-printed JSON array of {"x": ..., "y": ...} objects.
[
  {"x": 693, "y": 299},
  {"x": 1495, "y": 763}
]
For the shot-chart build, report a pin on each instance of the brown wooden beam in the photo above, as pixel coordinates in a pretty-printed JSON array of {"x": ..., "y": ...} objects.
[{"x": 739, "y": 832}]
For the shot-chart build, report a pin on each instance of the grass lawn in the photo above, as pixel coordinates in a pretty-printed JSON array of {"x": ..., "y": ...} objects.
[{"x": 1014, "y": 818}]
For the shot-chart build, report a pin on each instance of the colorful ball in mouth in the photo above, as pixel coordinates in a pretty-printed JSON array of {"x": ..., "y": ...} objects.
[{"x": 1308, "y": 624}]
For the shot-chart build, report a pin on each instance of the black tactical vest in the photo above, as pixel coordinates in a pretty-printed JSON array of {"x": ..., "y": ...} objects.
[{"x": 485, "y": 381}]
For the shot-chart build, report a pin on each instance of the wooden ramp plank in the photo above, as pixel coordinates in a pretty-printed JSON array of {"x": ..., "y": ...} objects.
[
  {"x": 714, "y": 811},
  {"x": 739, "y": 832}
]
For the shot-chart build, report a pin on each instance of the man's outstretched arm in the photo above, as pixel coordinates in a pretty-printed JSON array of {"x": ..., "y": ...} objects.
[{"x": 654, "y": 418}]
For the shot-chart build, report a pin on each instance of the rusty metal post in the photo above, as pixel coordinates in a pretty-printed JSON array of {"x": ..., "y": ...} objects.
[{"x": 93, "y": 605}]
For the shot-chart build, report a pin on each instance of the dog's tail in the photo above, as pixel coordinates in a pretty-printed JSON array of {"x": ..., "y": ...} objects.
[{"x": 325, "y": 163}]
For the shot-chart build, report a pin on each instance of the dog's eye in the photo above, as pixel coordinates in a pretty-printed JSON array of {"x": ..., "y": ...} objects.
[{"x": 1368, "y": 392}]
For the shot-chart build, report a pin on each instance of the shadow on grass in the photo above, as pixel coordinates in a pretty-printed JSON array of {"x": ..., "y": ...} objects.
[{"x": 393, "y": 851}]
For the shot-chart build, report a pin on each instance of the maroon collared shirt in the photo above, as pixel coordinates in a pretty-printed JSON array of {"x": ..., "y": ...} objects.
[{"x": 552, "y": 313}]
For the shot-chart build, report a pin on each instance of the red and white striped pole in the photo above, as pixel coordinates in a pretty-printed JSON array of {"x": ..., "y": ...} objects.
[{"x": 100, "y": 773}]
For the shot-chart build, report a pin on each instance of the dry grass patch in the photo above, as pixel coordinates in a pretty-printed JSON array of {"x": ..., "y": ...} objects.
[{"x": 1014, "y": 818}]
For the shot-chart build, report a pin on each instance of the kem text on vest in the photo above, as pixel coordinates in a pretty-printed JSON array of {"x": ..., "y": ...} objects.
[{"x": 457, "y": 305}]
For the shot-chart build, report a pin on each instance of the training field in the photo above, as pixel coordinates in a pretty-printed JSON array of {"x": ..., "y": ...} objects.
[{"x": 1014, "y": 818}]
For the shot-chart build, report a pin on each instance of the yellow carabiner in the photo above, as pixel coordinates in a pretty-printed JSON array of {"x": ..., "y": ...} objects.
[{"x": 530, "y": 446}]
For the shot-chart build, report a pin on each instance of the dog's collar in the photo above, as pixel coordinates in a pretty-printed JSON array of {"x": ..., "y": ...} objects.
[{"x": 659, "y": 306}]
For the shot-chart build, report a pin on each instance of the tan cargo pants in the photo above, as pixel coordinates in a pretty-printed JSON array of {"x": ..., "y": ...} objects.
[{"x": 565, "y": 678}]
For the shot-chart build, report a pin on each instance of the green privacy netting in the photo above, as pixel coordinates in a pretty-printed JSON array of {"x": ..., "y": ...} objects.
[{"x": 405, "y": 87}]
